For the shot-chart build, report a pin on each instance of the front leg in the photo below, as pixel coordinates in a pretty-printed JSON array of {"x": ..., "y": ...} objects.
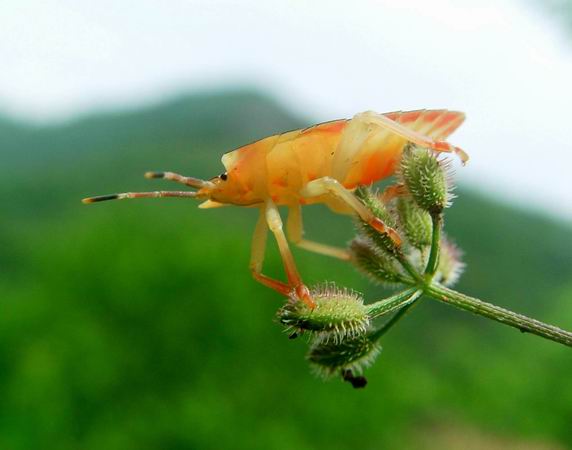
[
  {"x": 270, "y": 218},
  {"x": 328, "y": 185},
  {"x": 257, "y": 253}
]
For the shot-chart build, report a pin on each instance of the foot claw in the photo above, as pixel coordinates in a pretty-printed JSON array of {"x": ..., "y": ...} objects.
[
  {"x": 303, "y": 294},
  {"x": 443, "y": 146},
  {"x": 392, "y": 192},
  {"x": 394, "y": 236}
]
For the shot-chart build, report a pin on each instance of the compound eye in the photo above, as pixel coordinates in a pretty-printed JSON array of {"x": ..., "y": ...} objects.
[{"x": 223, "y": 176}]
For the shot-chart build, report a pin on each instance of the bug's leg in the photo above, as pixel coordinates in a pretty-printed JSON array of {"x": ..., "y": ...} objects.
[
  {"x": 257, "y": 257},
  {"x": 125, "y": 195},
  {"x": 172, "y": 176},
  {"x": 295, "y": 230},
  {"x": 327, "y": 185},
  {"x": 391, "y": 192},
  {"x": 294, "y": 280},
  {"x": 414, "y": 136}
]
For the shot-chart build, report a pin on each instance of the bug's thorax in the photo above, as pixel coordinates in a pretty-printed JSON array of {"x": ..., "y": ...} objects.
[{"x": 279, "y": 166}]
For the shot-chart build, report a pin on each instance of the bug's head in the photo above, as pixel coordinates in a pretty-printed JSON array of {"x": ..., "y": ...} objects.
[
  {"x": 227, "y": 188},
  {"x": 215, "y": 191}
]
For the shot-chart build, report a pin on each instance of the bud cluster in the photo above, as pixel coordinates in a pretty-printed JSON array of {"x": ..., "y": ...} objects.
[{"x": 343, "y": 339}]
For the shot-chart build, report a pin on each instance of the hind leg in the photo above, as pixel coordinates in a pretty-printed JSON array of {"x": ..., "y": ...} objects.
[
  {"x": 258, "y": 250},
  {"x": 411, "y": 135}
]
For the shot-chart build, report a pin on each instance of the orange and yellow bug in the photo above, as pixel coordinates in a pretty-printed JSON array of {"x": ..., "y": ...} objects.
[{"x": 320, "y": 164}]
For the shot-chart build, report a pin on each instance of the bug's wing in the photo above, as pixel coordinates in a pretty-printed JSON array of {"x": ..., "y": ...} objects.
[
  {"x": 368, "y": 152},
  {"x": 435, "y": 123}
]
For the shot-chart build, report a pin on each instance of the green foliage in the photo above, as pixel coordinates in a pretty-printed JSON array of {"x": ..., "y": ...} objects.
[{"x": 137, "y": 325}]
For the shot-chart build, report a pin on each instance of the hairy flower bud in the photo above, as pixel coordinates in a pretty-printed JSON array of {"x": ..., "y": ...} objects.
[
  {"x": 415, "y": 222},
  {"x": 377, "y": 265},
  {"x": 350, "y": 355},
  {"x": 425, "y": 178},
  {"x": 338, "y": 314},
  {"x": 450, "y": 264},
  {"x": 374, "y": 204}
]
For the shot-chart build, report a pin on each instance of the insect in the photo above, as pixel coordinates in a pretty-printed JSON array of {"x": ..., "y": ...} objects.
[{"x": 320, "y": 164}]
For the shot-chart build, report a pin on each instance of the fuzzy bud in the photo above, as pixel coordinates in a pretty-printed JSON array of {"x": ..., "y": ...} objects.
[
  {"x": 375, "y": 205},
  {"x": 425, "y": 178},
  {"x": 349, "y": 356},
  {"x": 415, "y": 222},
  {"x": 377, "y": 265},
  {"x": 450, "y": 264},
  {"x": 338, "y": 314}
]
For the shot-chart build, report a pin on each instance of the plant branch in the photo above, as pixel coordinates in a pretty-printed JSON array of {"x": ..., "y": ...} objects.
[
  {"x": 402, "y": 259},
  {"x": 433, "y": 263},
  {"x": 408, "y": 299},
  {"x": 476, "y": 306},
  {"x": 392, "y": 303}
]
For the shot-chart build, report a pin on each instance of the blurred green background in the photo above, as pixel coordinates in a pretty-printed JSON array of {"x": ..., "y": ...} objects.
[{"x": 136, "y": 325}]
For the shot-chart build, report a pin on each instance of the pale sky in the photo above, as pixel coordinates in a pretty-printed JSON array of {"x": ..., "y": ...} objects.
[{"x": 503, "y": 62}]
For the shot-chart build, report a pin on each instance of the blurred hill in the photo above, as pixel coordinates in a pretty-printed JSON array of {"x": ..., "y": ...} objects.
[{"x": 135, "y": 325}]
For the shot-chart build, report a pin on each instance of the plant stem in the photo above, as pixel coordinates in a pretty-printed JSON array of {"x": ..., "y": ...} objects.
[
  {"x": 406, "y": 303},
  {"x": 433, "y": 263},
  {"x": 392, "y": 303},
  {"x": 476, "y": 306},
  {"x": 401, "y": 258}
]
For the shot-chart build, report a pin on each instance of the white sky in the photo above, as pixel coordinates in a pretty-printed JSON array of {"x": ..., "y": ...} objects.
[{"x": 507, "y": 65}]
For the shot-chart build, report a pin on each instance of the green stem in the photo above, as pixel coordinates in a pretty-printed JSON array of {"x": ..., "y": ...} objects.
[
  {"x": 409, "y": 298},
  {"x": 408, "y": 267},
  {"x": 433, "y": 263},
  {"x": 389, "y": 304},
  {"x": 522, "y": 323}
]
